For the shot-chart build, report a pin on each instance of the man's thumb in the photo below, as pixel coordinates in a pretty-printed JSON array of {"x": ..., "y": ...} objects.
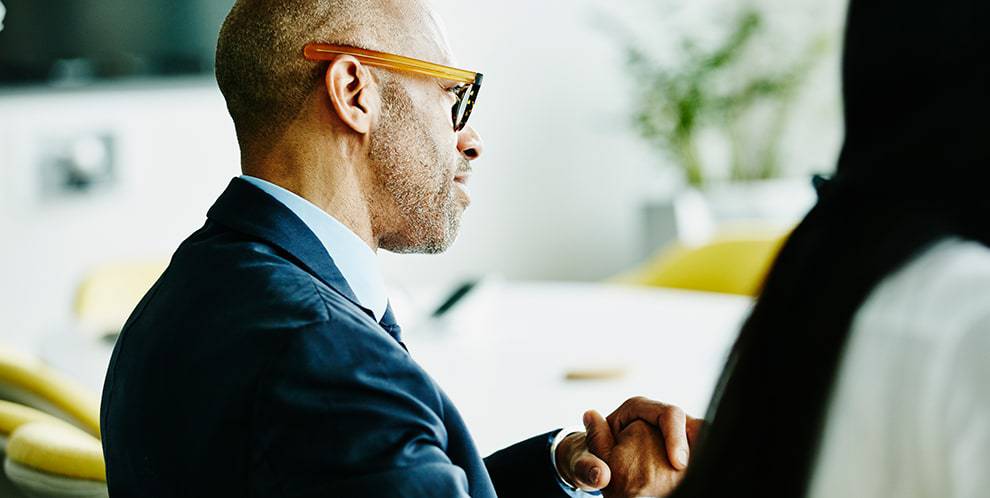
[
  {"x": 599, "y": 436},
  {"x": 591, "y": 473}
]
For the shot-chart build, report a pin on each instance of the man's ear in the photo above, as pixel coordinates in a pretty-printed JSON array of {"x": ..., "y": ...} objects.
[{"x": 351, "y": 90}]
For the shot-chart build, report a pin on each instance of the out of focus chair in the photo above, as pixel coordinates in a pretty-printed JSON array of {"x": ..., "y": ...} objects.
[
  {"x": 49, "y": 422},
  {"x": 52, "y": 459},
  {"x": 49, "y": 427},
  {"x": 732, "y": 263},
  {"x": 45, "y": 457},
  {"x": 12, "y": 416},
  {"x": 27, "y": 380},
  {"x": 110, "y": 292},
  {"x": 103, "y": 301}
]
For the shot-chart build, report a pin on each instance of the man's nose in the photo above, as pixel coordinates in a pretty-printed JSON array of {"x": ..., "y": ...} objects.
[{"x": 469, "y": 143}]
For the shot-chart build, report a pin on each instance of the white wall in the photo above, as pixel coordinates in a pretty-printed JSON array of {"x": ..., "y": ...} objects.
[
  {"x": 557, "y": 195},
  {"x": 175, "y": 153},
  {"x": 559, "y": 191}
]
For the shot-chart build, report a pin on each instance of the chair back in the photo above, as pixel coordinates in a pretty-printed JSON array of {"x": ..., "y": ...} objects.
[
  {"x": 734, "y": 263},
  {"x": 109, "y": 294},
  {"x": 45, "y": 457},
  {"x": 29, "y": 381}
]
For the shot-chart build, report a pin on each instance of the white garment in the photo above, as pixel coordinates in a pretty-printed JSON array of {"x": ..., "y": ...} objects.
[{"x": 910, "y": 416}]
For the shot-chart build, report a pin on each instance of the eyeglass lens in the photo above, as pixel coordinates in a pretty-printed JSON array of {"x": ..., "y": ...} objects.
[{"x": 460, "y": 107}]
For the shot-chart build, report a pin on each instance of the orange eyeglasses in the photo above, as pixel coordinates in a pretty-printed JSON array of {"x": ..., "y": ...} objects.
[{"x": 466, "y": 92}]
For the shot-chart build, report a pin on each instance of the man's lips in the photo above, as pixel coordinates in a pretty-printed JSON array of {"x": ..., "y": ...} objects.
[{"x": 461, "y": 180}]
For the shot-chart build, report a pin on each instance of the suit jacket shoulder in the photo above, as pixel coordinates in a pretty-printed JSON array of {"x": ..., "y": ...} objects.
[{"x": 250, "y": 369}]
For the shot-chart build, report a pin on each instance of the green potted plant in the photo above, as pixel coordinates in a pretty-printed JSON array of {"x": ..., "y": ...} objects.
[{"x": 715, "y": 93}]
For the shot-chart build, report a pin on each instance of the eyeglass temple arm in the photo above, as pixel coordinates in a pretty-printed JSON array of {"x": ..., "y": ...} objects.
[{"x": 325, "y": 52}]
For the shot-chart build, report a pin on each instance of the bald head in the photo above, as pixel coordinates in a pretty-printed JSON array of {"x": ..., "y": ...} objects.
[
  {"x": 259, "y": 63},
  {"x": 375, "y": 148}
]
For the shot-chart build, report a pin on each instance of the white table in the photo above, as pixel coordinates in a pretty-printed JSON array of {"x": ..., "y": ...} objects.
[{"x": 503, "y": 354}]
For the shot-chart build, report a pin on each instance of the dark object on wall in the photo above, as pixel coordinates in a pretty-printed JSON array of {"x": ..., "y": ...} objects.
[{"x": 83, "y": 41}]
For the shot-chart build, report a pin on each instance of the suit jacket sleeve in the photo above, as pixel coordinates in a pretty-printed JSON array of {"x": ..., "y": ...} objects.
[
  {"x": 344, "y": 412},
  {"x": 524, "y": 470}
]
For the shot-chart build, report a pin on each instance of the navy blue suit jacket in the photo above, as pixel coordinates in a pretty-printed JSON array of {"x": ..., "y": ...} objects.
[{"x": 249, "y": 369}]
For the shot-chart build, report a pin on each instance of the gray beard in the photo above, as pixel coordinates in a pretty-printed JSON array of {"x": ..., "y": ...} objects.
[{"x": 414, "y": 178}]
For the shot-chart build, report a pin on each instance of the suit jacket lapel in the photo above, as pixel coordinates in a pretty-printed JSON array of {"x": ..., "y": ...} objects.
[{"x": 248, "y": 209}]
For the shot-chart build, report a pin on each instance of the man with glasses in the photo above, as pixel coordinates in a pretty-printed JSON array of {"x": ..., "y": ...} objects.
[{"x": 266, "y": 360}]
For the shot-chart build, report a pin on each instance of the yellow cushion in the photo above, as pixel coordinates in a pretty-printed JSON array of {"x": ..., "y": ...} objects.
[
  {"x": 109, "y": 293},
  {"x": 30, "y": 374},
  {"x": 735, "y": 264},
  {"x": 13, "y": 415},
  {"x": 57, "y": 448}
]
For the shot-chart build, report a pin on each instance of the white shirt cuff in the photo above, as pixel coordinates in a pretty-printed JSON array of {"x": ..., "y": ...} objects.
[{"x": 566, "y": 486}]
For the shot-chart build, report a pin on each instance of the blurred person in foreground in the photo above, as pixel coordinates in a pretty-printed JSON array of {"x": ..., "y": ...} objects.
[
  {"x": 266, "y": 360},
  {"x": 872, "y": 333}
]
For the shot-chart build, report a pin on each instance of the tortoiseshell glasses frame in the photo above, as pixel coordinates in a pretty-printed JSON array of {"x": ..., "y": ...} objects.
[{"x": 466, "y": 92}]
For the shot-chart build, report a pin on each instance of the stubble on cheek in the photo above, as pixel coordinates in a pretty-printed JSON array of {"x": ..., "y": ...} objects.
[{"x": 417, "y": 206}]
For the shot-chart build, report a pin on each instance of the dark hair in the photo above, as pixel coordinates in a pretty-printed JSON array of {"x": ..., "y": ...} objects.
[{"x": 913, "y": 170}]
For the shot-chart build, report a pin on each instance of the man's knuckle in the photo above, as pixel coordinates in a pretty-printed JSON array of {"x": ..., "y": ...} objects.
[
  {"x": 670, "y": 412},
  {"x": 638, "y": 400}
]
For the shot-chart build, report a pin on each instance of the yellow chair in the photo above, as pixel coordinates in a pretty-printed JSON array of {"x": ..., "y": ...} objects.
[
  {"x": 27, "y": 380},
  {"x": 52, "y": 448},
  {"x": 109, "y": 293},
  {"x": 12, "y": 416},
  {"x": 731, "y": 263},
  {"x": 46, "y": 457}
]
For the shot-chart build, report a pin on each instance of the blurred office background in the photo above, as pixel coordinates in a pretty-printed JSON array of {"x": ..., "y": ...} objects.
[
  {"x": 114, "y": 141},
  {"x": 102, "y": 87}
]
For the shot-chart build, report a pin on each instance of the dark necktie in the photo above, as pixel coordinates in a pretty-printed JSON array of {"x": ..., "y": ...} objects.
[{"x": 391, "y": 326}]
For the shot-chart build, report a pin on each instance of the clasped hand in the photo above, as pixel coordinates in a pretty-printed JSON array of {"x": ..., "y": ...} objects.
[{"x": 641, "y": 449}]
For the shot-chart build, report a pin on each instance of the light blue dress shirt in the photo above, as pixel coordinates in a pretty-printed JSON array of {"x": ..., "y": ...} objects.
[{"x": 356, "y": 261}]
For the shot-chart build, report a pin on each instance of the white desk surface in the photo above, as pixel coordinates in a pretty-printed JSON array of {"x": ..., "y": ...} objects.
[{"x": 503, "y": 354}]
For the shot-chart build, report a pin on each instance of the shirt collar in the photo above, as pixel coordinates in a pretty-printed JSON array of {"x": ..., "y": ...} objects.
[{"x": 355, "y": 260}]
